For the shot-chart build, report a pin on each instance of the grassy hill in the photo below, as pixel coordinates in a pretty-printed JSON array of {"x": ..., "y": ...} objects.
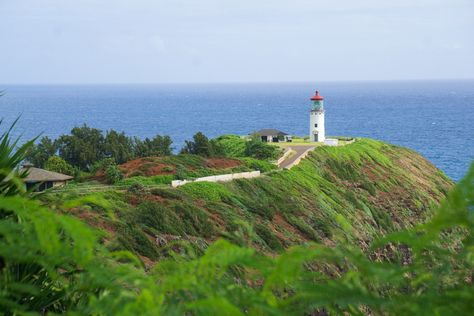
[{"x": 356, "y": 192}]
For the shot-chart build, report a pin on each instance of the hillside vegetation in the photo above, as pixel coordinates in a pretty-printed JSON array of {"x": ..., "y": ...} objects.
[
  {"x": 356, "y": 192},
  {"x": 52, "y": 263}
]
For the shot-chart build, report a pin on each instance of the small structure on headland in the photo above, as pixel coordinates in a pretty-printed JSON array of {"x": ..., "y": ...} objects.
[
  {"x": 273, "y": 135},
  {"x": 317, "y": 131},
  {"x": 40, "y": 179}
]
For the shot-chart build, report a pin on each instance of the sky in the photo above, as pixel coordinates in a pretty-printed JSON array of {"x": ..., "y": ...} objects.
[{"x": 201, "y": 41}]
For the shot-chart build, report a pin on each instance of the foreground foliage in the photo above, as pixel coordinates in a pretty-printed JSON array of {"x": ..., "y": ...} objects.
[{"x": 53, "y": 263}]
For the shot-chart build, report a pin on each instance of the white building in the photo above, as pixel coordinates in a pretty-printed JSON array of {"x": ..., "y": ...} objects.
[{"x": 316, "y": 119}]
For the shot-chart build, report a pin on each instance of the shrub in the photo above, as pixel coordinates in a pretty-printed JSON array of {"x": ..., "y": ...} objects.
[
  {"x": 57, "y": 164},
  {"x": 113, "y": 174},
  {"x": 257, "y": 149},
  {"x": 102, "y": 164},
  {"x": 231, "y": 145},
  {"x": 137, "y": 189}
]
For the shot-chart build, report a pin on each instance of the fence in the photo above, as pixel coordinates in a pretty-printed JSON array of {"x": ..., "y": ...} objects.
[{"x": 219, "y": 178}]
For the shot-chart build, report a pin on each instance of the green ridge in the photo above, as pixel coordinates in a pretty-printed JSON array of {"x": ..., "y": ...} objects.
[{"x": 357, "y": 192}]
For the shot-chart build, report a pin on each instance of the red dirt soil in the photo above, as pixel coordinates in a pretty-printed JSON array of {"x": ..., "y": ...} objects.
[
  {"x": 154, "y": 168},
  {"x": 222, "y": 163}
]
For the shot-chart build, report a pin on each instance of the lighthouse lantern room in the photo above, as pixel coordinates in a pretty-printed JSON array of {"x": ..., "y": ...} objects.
[{"x": 316, "y": 119}]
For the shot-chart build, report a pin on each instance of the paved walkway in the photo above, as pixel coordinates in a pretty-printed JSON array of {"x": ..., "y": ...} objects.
[{"x": 300, "y": 152}]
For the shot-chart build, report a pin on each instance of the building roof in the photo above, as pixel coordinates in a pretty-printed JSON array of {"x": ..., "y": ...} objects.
[
  {"x": 270, "y": 132},
  {"x": 317, "y": 97},
  {"x": 41, "y": 175}
]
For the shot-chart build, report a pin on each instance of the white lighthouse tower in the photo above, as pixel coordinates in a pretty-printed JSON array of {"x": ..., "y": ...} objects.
[{"x": 316, "y": 119}]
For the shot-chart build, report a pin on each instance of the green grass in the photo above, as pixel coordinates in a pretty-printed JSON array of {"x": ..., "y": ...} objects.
[
  {"x": 154, "y": 180},
  {"x": 361, "y": 187},
  {"x": 208, "y": 191},
  {"x": 388, "y": 253}
]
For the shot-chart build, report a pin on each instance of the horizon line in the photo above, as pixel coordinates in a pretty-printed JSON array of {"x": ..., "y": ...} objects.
[{"x": 232, "y": 82}]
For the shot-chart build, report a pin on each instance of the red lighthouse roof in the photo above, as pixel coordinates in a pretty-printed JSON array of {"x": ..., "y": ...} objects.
[{"x": 317, "y": 97}]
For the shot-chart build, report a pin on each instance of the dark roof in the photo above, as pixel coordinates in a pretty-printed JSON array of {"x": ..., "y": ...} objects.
[
  {"x": 270, "y": 132},
  {"x": 41, "y": 175}
]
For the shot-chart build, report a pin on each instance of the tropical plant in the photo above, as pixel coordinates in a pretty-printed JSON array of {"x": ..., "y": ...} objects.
[
  {"x": 57, "y": 164},
  {"x": 11, "y": 155}
]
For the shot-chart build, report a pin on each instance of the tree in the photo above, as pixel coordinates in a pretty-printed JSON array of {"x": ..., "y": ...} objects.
[
  {"x": 39, "y": 153},
  {"x": 157, "y": 146},
  {"x": 83, "y": 147},
  {"x": 57, "y": 164},
  {"x": 202, "y": 146},
  {"x": 118, "y": 146},
  {"x": 257, "y": 149}
]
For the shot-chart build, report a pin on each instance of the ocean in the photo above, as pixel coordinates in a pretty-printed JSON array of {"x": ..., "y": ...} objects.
[{"x": 435, "y": 118}]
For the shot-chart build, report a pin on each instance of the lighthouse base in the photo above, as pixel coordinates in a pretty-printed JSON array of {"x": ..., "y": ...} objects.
[{"x": 316, "y": 126}]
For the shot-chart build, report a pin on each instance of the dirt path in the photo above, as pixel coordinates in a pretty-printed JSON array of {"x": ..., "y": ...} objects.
[{"x": 300, "y": 152}]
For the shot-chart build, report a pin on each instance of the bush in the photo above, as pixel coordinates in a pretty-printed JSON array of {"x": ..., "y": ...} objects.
[
  {"x": 231, "y": 145},
  {"x": 257, "y": 149},
  {"x": 102, "y": 164},
  {"x": 57, "y": 164},
  {"x": 137, "y": 189},
  {"x": 113, "y": 174}
]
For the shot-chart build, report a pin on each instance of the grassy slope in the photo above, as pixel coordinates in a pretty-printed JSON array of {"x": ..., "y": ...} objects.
[{"x": 356, "y": 192}]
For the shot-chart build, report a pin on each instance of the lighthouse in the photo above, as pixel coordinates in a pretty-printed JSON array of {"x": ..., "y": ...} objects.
[{"x": 316, "y": 119}]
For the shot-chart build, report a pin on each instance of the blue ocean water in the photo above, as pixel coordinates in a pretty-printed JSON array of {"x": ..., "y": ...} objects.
[{"x": 435, "y": 118}]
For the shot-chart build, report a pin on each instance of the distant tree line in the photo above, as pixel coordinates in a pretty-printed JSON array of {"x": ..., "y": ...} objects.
[
  {"x": 85, "y": 146},
  {"x": 89, "y": 149}
]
